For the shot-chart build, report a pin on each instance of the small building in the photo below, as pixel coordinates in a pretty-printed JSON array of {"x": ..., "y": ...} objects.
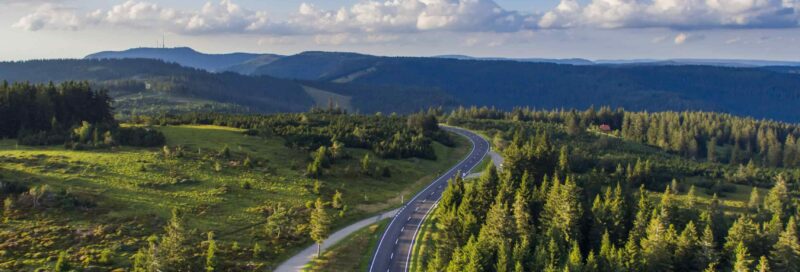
[{"x": 605, "y": 128}]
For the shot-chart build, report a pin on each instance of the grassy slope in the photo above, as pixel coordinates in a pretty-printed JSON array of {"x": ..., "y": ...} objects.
[
  {"x": 353, "y": 253},
  {"x": 123, "y": 191}
]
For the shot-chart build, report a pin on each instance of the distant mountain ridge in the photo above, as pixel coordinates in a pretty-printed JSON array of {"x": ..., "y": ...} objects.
[
  {"x": 262, "y": 63},
  {"x": 761, "y": 92},
  {"x": 367, "y": 83},
  {"x": 185, "y": 56}
]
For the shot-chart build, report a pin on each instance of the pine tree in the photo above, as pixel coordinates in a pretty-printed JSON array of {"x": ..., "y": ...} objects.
[
  {"x": 763, "y": 265},
  {"x": 366, "y": 165},
  {"x": 575, "y": 260},
  {"x": 708, "y": 248},
  {"x": 777, "y": 200},
  {"x": 687, "y": 251},
  {"x": 337, "y": 202},
  {"x": 173, "y": 247},
  {"x": 522, "y": 218},
  {"x": 563, "y": 160},
  {"x": 785, "y": 253},
  {"x": 320, "y": 225},
  {"x": 742, "y": 261},
  {"x": 591, "y": 263},
  {"x": 744, "y": 231},
  {"x": 655, "y": 247},
  {"x": 211, "y": 258},
  {"x": 755, "y": 200}
]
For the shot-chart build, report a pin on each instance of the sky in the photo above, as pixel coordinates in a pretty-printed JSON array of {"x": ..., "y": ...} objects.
[{"x": 591, "y": 29}]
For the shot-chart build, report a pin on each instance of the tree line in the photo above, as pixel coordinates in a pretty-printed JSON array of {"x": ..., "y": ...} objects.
[
  {"x": 716, "y": 137},
  {"x": 392, "y": 136},
  {"x": 69, "y": 113}
]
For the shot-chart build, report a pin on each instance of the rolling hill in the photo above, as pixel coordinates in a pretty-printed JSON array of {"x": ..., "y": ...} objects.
[
  {"x": 142, "y": 86},
  {"x": 762, "y": 92},
  {"x": 188, "y": 57}
]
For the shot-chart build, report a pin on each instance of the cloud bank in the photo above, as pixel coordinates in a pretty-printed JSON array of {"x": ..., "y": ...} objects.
[{"x": 373, "y": 17}]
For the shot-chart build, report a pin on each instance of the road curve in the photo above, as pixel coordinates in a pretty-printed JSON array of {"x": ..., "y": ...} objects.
[{"x": 394, "y": 248}]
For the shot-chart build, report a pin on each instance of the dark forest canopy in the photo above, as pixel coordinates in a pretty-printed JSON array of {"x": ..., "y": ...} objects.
[
  {"x": 758, "y": 92},
  {"x": 68, "y": 113},
  {"x": 50, "y": 107},
  {"x": 559, "y": 204},
  {"x": 717, "y": 137}
]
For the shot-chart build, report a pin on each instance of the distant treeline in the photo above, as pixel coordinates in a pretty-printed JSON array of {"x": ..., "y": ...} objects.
[
  {"x": 68, "y": 113},
  {"x": 391, "y": 136},
  {"x": 713, "y": 136}
]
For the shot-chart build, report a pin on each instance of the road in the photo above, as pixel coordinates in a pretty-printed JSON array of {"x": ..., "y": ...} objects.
[
  {"x": 300, "y": 260},
  {"x": 394, "y": 248}
]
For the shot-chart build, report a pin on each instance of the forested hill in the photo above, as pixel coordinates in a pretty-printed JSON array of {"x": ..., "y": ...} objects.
[
  {"x": 145, "y": 86},
  {"x": 758, "y": 92},
  {"x": 125, "y": 77},
  {"x": 184, "y": 56}
]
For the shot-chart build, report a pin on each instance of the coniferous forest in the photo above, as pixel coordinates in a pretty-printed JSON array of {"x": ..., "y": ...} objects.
[
  {"x": 597, "y": 189},
  {"x": 611, "y": 190}
]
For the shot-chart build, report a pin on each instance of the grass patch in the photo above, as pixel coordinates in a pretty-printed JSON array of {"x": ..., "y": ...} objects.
[{"x": 353, "y": 253}]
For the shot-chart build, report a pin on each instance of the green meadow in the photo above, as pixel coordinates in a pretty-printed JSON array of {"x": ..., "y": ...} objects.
[{"x": 126, "y": 194}]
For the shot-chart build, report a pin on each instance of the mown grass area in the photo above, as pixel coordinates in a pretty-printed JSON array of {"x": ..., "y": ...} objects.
[
  {"x": 353, "y": 253},
  {"x": 131, "y": 191}
]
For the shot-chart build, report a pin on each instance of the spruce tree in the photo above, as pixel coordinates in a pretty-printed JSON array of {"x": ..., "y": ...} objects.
[
  {"x": 211, "y": 258},
  {"x": 655, "y": 247},
  {"x": 337, "y": 202},
  {"x": 742, "y": 262},
  {"x": 785, "y": 255},
  {"x": 777, "y": 200},
  {"x": 755, "y": 200},
  {"x": 320, "y": 225},
  {"x": 763, "y": 265},
  {"x": 173, "y": 249}
]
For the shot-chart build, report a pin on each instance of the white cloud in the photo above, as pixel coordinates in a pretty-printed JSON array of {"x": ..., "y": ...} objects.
[
  {"x": 679, "y": 14},
  {"x": 410, "y": 16},
  {"x": 682, "y": 38},
  {"x": 50, "y": 16}
]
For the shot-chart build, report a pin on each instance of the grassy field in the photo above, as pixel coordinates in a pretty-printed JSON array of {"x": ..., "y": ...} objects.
[
  {"x": 353, "y": 253},
  {"x": 134, "y": 190}
]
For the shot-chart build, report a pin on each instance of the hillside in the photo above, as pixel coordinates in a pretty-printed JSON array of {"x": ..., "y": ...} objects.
[
  {"x": 143, "y": 86},
  {"x": 184, "y": 56},
  {"x": 101, "y": 205},
  {"x": 757, "y": 92}
]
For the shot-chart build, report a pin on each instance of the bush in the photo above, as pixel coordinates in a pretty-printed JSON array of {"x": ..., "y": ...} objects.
[{"x": 140, "y": 137}]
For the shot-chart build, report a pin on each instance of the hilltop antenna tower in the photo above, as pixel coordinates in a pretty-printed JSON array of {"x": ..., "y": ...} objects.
[{"x": 163, "y": 40}]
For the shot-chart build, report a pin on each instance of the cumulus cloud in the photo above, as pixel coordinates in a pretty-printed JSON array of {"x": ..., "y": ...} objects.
[
  {"x": 368, "y": 16},
  {"x": 678, "y": 14},
  {"x": 410, "y": 16},
  {"x": 50, "y": 16}
]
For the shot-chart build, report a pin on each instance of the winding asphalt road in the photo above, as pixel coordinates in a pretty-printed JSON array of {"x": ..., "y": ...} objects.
[{"x": 394, "y": 248}]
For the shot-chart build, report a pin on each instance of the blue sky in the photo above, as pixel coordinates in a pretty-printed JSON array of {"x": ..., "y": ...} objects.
[{"x": 593, "y": 29}]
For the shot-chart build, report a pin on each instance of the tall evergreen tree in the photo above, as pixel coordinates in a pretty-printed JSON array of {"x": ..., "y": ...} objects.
[
  {"x": 320, "y": 225},
  {"x": 742, "y": 261},
  {"x": 173, "y": 247},
  {"x": 785, "y": 253}
]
